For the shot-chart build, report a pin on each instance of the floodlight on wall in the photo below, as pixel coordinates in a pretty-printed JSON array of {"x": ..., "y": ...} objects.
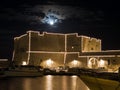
[
  {"x": 49, "y": 62},
  {"x": 24, "y": 63},
  {"x": 75, "y": 63},
  {"x": 101, "y": 63}
]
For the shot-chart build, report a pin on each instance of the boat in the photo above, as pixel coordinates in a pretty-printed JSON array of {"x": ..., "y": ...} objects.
[
  {"x": 100, "y": 80},
  {"x": 23, "y": 71}
]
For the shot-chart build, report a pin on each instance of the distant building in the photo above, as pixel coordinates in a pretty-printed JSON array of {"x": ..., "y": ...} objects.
[
  {"x": 4, "y": 63},
  {"x": 51, "y": 50}
]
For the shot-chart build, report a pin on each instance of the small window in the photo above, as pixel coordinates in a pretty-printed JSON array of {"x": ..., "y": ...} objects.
[{"x": 92, "y": 49}]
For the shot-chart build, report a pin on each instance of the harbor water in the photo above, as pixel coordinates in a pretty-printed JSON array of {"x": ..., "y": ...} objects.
[{"x": 47, "y": 82}]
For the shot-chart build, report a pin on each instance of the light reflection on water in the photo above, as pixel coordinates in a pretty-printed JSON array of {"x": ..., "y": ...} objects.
[{"x": 47, "y": 82}]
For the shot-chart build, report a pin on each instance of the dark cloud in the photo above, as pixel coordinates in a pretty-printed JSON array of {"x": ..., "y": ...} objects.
[{"x": 35, "y": 15}]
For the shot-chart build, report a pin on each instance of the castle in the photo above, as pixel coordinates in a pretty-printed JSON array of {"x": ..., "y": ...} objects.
[{"x": 51, "y": 50}]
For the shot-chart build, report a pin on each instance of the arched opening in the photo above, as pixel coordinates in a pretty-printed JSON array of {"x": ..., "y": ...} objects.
[{"x": 93, "y": 63}]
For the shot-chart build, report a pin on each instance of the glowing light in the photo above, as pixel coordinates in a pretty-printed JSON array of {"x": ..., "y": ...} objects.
[
  {"x": 49, "y": 62},
  {"x": 48, "y": 82},
  {"x": 51, "y": 22},
  {"x": 75, "y": 63},
  {"x": 74, "y": 76},
  {"x": 50, "y": 19},
  {"x": 101, "y": 63},
  {"x": 24, "y": 63}
]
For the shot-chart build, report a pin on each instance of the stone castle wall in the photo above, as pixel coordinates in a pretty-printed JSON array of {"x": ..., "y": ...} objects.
[
  {"x": 37, "y": 48},
  {"x": 90, "y": 44}
]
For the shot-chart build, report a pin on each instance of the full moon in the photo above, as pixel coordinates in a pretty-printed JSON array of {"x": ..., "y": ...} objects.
[
  {"x": 51, "y": 22},
  {"x": 50, "y": 19}
]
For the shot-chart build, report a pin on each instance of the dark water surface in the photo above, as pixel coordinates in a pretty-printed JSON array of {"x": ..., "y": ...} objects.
[{"x": 47, "y": 82}]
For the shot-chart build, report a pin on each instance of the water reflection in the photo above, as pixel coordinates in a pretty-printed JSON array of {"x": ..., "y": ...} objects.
[
  {"x": 47, "y": 82},
  {"x": 27, "y": 84},
  {"x": 74, "y": 82},
  {"x": 64, "y": 84}
]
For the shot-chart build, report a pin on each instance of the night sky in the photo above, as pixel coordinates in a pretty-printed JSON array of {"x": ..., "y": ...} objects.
[{"x": 99, "y": 19}]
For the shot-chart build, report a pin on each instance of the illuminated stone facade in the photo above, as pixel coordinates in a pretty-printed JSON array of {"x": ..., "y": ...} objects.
[{"x": 51, "y": 50}]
